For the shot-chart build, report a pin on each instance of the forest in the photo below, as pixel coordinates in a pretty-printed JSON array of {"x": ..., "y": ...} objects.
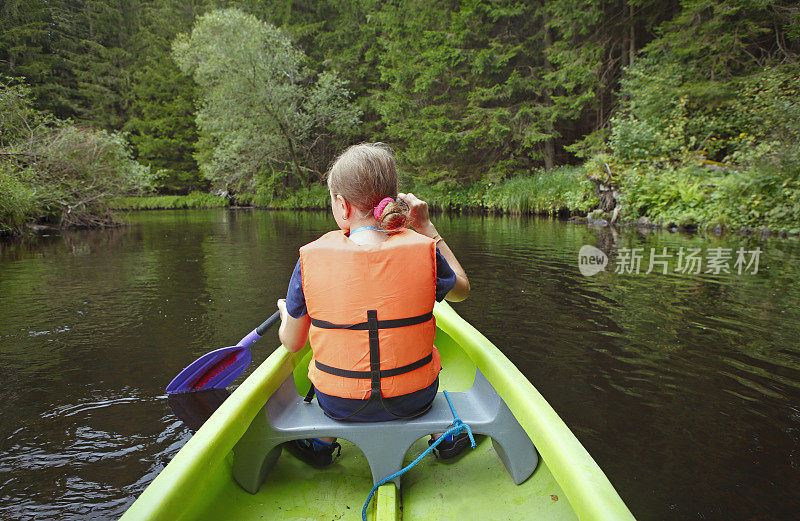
[{"x": 683, "y": 113}]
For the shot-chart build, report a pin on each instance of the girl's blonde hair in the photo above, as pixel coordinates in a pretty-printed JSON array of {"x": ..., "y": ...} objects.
[{"x": 364, "y": 174}]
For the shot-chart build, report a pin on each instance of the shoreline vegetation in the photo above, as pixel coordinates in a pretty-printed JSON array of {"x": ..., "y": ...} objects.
[
  {"x": 683, "y": 115},
  {"x": 563, "y": 190}
]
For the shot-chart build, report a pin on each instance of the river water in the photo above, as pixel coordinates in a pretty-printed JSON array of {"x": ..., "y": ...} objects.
[{"x": 684, "y": 387}]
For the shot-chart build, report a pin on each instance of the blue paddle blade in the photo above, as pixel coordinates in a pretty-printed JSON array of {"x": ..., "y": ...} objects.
[
  {"x": 214, "y": 370},
  {"x": 217, "y": 369}
]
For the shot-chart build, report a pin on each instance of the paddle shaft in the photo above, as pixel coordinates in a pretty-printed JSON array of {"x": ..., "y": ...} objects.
[{"x": 268, "y": 323}]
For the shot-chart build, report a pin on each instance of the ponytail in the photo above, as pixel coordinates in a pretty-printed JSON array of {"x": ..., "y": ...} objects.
[{"x": 392, "y": 214}]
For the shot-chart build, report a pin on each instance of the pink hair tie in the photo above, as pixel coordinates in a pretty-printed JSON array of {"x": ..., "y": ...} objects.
[{"x": 378, "y": 210}]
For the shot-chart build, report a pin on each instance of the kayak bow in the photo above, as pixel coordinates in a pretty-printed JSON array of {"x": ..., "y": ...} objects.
[{"x": 568, "y": 484}]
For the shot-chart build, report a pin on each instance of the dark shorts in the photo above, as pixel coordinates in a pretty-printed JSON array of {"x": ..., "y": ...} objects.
[{"x": 404, "y": 405}]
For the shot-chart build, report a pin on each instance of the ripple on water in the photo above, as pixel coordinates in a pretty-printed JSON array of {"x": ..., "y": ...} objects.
[{"x": 65, "y": 465}]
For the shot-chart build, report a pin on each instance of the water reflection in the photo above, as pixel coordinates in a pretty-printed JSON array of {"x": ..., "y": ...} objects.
[
  {"x": 684, "y": 388},
  {"x": 194, "y": 408}
]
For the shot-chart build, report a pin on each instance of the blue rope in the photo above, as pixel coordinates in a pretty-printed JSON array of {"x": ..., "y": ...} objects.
[{"x": 458, "y": 426}]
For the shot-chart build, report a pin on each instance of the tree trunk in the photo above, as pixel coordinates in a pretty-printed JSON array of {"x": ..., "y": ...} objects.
[
  {"x": 293, "y": 153},
  {"x": 549, "y": 145},
  {"x": 632, "y": 38}
]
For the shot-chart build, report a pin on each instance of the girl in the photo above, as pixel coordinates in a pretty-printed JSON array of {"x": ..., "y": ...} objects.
[{"x": 365, "y": 295}]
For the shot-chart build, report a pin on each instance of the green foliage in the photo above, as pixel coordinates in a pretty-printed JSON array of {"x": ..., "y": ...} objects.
[
  {"x": 723, "y": 39},
  {"x": 162, "y": 128},
  {"x": 668, "y": 114},
  {"x": 259, "y": 111},
  {"x": 665, "y": 194},
  {"x": 464, "y": 91},
  {"x": 33, "y": 46},
  {"x": 58, "y": 171},
  {"x": 17, "y": 199},
  {"x": 315, "y": 197},
  {"x": 764, "y": 195},
  {"x": 450, "y": 195},
  {"x": 708, "y": 131},
  {"x": 691, "y": 99},
  {"x": 161, "y": 202},
  {"x": 544, "y": 192},
  {"x": 767, "y": 109},
  {"x": 18, "y": 117},
  {"x": 767, "y": 195},
  {"x": 565, "y": 188}
]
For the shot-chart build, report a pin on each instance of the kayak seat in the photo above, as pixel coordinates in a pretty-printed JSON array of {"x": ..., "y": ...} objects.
[{"x": 287, "y": 417}]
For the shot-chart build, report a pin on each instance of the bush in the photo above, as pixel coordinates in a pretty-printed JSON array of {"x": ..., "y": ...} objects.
[
  {"x": 668, "y": 112},
  {"x": 17, "y": 199},
  {"x": 694, "y": 152},
  {"x": 665, "y": 193},
  {"x": 58, "y": 171},
  {"x": 764, "y": 195}
]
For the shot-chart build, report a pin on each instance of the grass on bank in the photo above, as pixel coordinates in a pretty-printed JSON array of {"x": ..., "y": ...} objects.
[
  {"x": 167, "y": 202},
  {"x": 564, "y": 188},
  {"x": 315, "y": 197}
]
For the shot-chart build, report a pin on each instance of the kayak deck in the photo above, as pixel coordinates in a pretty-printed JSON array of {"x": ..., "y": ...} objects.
[
  {"x": 567, "y": 484},
  {"x": 476, "y": 486}
]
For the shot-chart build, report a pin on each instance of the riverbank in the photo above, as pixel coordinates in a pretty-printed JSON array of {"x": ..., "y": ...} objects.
[
  {"x": 193, "y": 200},
  {"x": 564, "y": 190},
  {"x": 761, "y": 200},
  {"x": 697, "y": 194}
]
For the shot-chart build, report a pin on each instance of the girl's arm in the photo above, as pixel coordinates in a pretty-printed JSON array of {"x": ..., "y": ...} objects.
[
  {"x": 293, "y": 331},
  {"x": 421, "y": 221},
  {"x": 461, "y": 289}
]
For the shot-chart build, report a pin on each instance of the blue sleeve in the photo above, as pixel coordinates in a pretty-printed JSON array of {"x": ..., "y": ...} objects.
[
  {"x": 445, "y": 277},
  {"x": 295, "y": 299}
]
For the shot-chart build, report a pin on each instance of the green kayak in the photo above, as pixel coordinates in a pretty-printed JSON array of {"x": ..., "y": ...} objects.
[{"x": 567, "y": 484}]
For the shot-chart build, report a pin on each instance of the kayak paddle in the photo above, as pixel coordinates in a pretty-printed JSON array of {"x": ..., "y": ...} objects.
[
  {"x": 193, "y": 409},
  {"x": 220, "y": 367}
]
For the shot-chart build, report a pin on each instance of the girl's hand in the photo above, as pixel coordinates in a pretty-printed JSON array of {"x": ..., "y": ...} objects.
[
  {"x": 282, "y": 309},
  {"x": 419, "y": 218}
]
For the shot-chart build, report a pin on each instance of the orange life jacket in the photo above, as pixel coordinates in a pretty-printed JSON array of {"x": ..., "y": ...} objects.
[{"x": 371, "y": 310}]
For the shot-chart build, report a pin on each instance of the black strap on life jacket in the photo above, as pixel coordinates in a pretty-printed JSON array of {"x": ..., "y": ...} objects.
[
  {"x": 384, "y": 373},
  {"x": 379, "y": 324},
  {"x": 373, "y": 325},
  {"x": 309, "y": 395},
  {"x": 374, "y": 352}
]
